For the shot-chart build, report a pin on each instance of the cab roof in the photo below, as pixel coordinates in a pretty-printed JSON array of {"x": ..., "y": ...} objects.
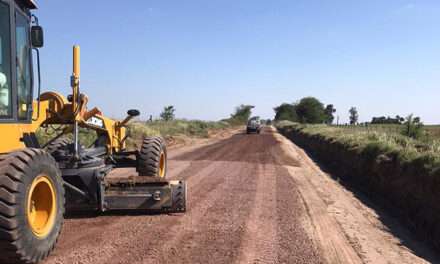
[{"x": 31, "y": 4}]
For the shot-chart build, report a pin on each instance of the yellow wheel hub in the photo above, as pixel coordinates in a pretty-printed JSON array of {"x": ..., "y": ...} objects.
[
  {"x": 162, "y": 165},
  {"x": 41, "y": 206}
]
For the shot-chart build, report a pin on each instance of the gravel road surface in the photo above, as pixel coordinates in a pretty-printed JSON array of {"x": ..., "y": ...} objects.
[{"x": 252, "y": 199}]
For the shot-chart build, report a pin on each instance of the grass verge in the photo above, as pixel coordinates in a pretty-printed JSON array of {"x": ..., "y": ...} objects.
[
  {"x": 400, "y": 172},
  {"x": 138, "y": 130}
]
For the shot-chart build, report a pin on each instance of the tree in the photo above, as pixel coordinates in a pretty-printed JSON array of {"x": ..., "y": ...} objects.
[
  {"x": 413, "y": 127},
  {"x": 387, "y": 120},
  {"x": 168, "y": 113},
  {"x": 241, "y": 114},
  {"x": 310, "y": 110},
  {"x": 286, "y": 111},
  {"x": 328, "y": 112},
  {"x": 354, "y": 115}
]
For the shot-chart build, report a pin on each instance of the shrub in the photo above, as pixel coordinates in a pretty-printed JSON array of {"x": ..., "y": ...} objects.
[
  {"x": 241, "y": 115},
  {"x": 168, "y": 113},
  {"x": 310, "y": 110},
  {"x": 413, "y": 127}
]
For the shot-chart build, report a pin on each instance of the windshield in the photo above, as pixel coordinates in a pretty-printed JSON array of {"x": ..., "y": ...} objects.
[
  {"x": 253, "y": 122},
  {"x": 5, "y": 63}
]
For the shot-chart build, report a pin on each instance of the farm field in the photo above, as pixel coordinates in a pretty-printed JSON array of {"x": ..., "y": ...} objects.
[
  {"x": 434, "y": 131},
  {"x": 387, "y": 136}
]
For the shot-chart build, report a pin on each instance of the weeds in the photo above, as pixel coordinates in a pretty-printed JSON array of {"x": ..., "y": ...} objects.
[
  {"x": 138, "y": 130},
  {"x": 388, "y": 136}
]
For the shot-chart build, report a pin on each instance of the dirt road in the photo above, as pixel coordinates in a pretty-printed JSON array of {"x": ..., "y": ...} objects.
[{"x": 252, "y": 199}]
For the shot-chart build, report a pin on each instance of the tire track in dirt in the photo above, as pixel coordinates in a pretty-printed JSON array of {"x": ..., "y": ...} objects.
[
  {"x": 167, "y": 246},
  {"x": 220, "y": 218},
  {"x": 259, "y": 241},
  {"x": 296, "y": 244}
]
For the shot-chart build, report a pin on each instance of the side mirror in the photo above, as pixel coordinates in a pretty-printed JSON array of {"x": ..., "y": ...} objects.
[
  {"x": 133, "y": 113},
  {"x": 37, "y": 36}
]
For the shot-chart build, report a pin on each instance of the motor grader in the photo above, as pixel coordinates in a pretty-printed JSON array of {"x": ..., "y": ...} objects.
[{"x": 39, "y": 182}]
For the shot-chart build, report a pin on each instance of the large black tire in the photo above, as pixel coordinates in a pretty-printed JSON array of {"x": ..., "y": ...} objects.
[
  {"x": 26, "y": 234},
  {"x": 152, "y": 158},
  {"x": 59, "y": 143},
  {"x": 179, "y": 198}
]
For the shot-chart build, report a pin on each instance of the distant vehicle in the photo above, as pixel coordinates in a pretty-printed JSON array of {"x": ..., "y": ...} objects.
[{"x": 253, "y": 126}]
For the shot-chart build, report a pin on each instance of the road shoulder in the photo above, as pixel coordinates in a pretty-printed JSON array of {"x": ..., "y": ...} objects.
[{"x": 346, "y": 229}]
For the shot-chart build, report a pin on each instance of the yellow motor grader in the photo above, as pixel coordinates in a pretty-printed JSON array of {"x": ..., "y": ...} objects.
[{"x": 38, "y": 183}]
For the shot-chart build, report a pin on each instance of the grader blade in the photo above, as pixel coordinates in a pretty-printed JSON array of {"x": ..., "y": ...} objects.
[{"x": 142, "y": 194}]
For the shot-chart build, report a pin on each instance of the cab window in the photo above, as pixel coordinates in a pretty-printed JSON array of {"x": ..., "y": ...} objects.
[
  {"x": 23, "y": 67},
  {"x": 5, "y": 63}
]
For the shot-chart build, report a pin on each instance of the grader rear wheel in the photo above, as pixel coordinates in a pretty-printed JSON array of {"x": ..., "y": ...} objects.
[
  {"x": 152, "y": 158},
  {"x": 31, "y": 206}
]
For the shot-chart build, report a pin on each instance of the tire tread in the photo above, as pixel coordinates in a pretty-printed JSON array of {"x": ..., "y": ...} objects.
[
  {"x": 149, "y": 156},
  {"x": 13, "y": 167}
]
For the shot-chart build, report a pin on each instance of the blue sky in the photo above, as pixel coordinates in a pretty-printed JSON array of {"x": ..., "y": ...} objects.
[{"x": 206, "y": 57}]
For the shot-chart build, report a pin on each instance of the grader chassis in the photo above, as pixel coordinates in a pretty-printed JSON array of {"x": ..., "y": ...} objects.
[{"x": 39, "y": 182}]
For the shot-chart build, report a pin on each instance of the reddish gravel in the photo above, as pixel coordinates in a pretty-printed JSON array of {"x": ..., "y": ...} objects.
[
  {"x": 244, "y": 207},
  {"x": 252, "y": 199}
]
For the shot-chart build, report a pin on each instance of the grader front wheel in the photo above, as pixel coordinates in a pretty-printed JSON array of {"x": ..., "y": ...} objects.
[
  {"x": 31, "y": 206},
  {"x": 152, "y": 158}
]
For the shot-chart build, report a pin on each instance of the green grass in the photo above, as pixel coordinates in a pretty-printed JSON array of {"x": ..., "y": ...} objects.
[
  {"x": 86, "y": 137},
  {"x": 400, "y": 171},
  {"x": 388, "y": 137},
  {"x": 138, "y": 130},
  {"x": 433, "y": 131},
  {"x": 193, "y": 128}
]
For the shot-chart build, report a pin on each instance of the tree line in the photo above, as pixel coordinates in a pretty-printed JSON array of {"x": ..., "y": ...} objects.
[
  {"x": 241, "y": 114},
  {"x": 308, "y": 110}
]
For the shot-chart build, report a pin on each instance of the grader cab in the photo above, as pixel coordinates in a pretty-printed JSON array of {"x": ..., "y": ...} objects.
[{"x": 38, "y": 182}]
